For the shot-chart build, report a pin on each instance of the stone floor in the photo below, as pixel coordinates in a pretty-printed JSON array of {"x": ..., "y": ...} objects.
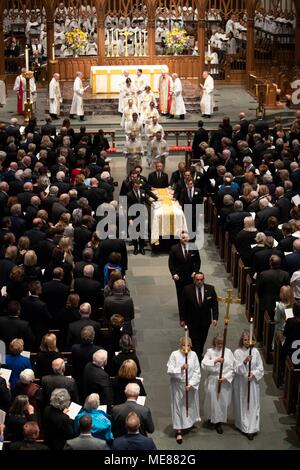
[{"x": 157, "y": 333}]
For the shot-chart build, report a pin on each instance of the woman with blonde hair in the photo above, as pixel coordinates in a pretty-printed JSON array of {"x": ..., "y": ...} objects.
[
  {"x": 66, "y": 244},
  {"x": 47, "y": 353},
  {"x": 31, "y": 270},
  {"x": 286, "y": 301},
  {"x": 245, "y": 238},
  {"x": 127, "y": 374}
]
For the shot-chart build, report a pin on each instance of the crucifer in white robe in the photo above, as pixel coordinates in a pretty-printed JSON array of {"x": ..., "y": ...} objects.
[
  {"x": 247, "y": 420},
  {"x": 207, "y": 100},
  {"x": 77, "y": 102},
  {"x": 216, "y": 409},
  {"x": 178, "y": 397},
  {"x": 54, "y": 97}
]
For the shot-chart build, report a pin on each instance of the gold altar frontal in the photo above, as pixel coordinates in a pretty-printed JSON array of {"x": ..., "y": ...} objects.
[{"x": 106, "y": 79}]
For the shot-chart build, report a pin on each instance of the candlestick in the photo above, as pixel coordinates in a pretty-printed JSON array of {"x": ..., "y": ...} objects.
[
  {"x": 145, "y": 41},
  {"x": 108, "y": 46},
  {"x": 135, "y": 44},
  {"x": 26, "y": 58},
  {"x": 209, "y": 48},
  {"x": 53, "y": 51},
  {"x": 251, "y": 331},
  {"x": 117, "y": 41}
]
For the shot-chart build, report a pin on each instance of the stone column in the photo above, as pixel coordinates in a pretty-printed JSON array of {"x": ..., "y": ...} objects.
[
  {"x": 52, "y": 62},
  {"x": 250, "y": 45},
  {"x": 151, "y": 34},
  {"x": 201, "y": 46},
  {"x": 101, "y": 37},
  {"x": 297, "y": 42}
]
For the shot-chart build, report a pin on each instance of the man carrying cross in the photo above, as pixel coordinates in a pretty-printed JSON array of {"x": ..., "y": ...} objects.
[{"x": 200, "y": 310}]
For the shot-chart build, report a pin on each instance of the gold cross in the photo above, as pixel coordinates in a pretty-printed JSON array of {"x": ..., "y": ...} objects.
[
  {"x": 228, "y": 300},
  {"x": 126, "y": 33}
]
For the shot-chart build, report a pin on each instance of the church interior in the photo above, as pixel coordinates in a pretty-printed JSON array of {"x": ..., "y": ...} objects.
[{"x": 239, "y": 150}]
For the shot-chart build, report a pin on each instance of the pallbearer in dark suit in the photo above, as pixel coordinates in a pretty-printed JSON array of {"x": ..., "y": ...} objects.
[
  {"x": 158, "y": 178},
  {"x": 183, "y": 264},
  {"x": 200, "y": 310},
  {"x": 191, "y": 195}
]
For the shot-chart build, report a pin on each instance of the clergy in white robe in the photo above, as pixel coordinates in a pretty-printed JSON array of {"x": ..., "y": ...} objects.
[
  {"x": 133, "y": 152},
  {"x": 139, "y": 83},
  {"x": 128, "y": 113},
  {"x": 247, "y": 420},
  {"x": 159, "y": 150},
  {"x": 133, "y": 127},
  {"x": 55, "y": 98},
  {"x": 165, "y": 87},
  {"x": 77, "y": 102},
  {"x": 146, "y": 98},
  {"x": 177, "y": 372},
  {"x": 20, "y": 89},
  {"x": 216, "y": 408},
  {"x": 207, "y": 100},
  {"x": 178, "y": 106},
  {"x": 122, "y": 85}
]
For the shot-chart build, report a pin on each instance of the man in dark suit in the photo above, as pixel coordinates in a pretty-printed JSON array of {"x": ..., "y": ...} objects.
[
  {"x": 286, "y": 244},
  {"x": 183, "y": 264},
  {"x": 35, "y": 311},
  {"x": 95, "y": 195},
  {"x": 109, "y": 245},
  {"x": 88, "y": 289},
  {"x": 139, "y": 196},
  {"x": 7, "y": 264},
  {"x": 235, "y": 220},
  {"x": 24, "y": 197},
  {"x": 58, "y": 380},
  {"x": 96, "y": 380},
  {"x": 120, "y": 413},
  {"x": 190, "y": 199},
  {"x": 201, "y": 135},
  {"x": 55, "y": 292},
  {"x": 48, "y": 128},
  {"x": 119, "y": 302},
  {"x": 244, "y": 123},
  {"x": 85, "y": 440},
  {"x": 268, "y": 285},
  {"x": 261, "y": 126},
  {"x": 35, "y": 234},
  {"x": 11, "y": 326},
  {"x": 262, "y": 255},
  {"x": 133, "y": 440},
  {"x": 292, "y": 261},
  {"x": 283, "y": 204},
  {"x": 201, "y": 309},
  {"x": 261, "y": 219},
  {"x": 74, "y": 331},
  {"x": 87, "y": 258},
  {"x": 31, "y": 432},
  {"x": 82, "y": 235},
  {"x": 158, "y": 178},
  {"x": 177, "y": 175},
  {"x": 4, "y": 188}
]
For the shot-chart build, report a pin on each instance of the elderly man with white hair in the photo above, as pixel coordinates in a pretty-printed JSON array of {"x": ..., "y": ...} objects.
[
  {"x": 58, "y": 380},
  {"x": 77, "y": 102},
  {"x": 88, "y": 289},
  {"x": 178, "y": 106},
  {"x": 120, "y": 412},
  {"x": 55, "y": 98},
  {"x": 96, "y": 380},
  {"x": 74, "y": 330}
]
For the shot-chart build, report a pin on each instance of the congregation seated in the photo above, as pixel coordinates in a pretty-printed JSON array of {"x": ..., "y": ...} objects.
[
  {"x": 47, "y": 353},
  {"x": 126, "y": 374},
  {"x": 101, "y": 424}
]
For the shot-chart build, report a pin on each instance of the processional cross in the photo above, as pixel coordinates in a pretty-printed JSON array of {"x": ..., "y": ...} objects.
[
  {"x": 126, "y": 33},
  {"x": 228, "y": 300}
]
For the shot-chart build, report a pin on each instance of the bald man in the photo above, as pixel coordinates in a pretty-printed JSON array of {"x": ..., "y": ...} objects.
[
  {"x": 55, "y": 98},
  {"x": 77, "y": 103},
  {"x": 57, "y": 380}
]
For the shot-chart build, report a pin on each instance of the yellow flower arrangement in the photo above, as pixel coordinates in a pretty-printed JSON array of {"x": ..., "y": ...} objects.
[
  {"x": 76, "y": 40},
  {"x": 178, "y": 41}
]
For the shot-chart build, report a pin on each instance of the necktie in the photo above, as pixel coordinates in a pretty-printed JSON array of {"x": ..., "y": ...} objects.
[
  {"x": 185, "y": 252},
  {"x": 199, "y": 296},
  {"x": 190, "y": 194}
]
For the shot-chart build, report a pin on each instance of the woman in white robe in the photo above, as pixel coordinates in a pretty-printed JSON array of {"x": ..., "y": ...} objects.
[
  {"x": 177, "y": 372},
  {"x": 216, "y": 408},
  {"x": 207, "y": 100},
  {"x": 247, "y": 419}
]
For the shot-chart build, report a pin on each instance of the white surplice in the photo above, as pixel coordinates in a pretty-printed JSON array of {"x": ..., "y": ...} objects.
[
  {"x": 77, "y": 102},
  {"x": 179, "y": 103},
  {"x": 217, "y": 409},
  {"x": 207, "y": 100},
  {"x": 54, "y": 97},
  {"x": 247, "y": 420},
  {"x": 178, "y": 396}
]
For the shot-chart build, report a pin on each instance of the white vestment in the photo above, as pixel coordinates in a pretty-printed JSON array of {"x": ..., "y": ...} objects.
[
  {"x": 54, "y": 97},
  {"x": 32, "y": 86},
  {"x": 2, "y": 93},
  {"x": 179, "y": 103},
  {"x": 178, "y": 395},
  {"x": 77, "y": 102},
  {"x": 207, "y": 100},
  {"x": 247, "y": 420},
  {"x": 216, "y": 409},
  {"x": 122, "y": 96},
  {"x": 159, "y": 151}
]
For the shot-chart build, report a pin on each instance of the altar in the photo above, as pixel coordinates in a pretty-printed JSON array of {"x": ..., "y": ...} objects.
[{"x": 106, "y": 79}]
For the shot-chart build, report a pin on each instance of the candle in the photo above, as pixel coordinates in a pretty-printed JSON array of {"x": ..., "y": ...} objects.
[
  {"x": 251, "y": 331},
  {"x": 209, "y": 49},
  {"x": 140, "y": 38},
  {"x": 53, "y": 51},
  {"x": 117, "y": 43},
  {"x": 27, "y": 58}
]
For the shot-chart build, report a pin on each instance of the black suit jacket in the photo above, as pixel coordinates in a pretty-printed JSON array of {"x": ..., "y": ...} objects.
[
  {"x": 196, "y": 199},
  {"x": 15, "y": 327},
  {"x": 235, "y": 223},
  {"x": 261, "y": 259},
  {"x": 89, "y": 291},
  {"x": 181, "y": 266},
  {"x": 120, "y": 412},
  {"x": 106, "y": 247},
  {"x": 96, "y": 380},
  {"x": 200, "y": 316},
  {"x": 55, "y": 294},
  {"x": 286, "y": 244},
  {"x": 284, "y": 206},
  {"x": 35, "y": 236},
  {"x": 36, "y": 313},
  {"x": 74, "y": 330},
  {"x": 58, "y": 428},
  {"x": 156, "y": 182},
  {"x": 82, "y": 236},
  {"x": 262, "y": 216},
  {"x": 268, "y": 286},
  {"x": 95, "y": 196},
  {"x": 201, "y": 135},
  {"x": 50, "y": 382}
]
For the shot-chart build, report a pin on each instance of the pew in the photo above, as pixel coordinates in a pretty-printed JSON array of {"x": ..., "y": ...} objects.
[
  {"x": 291, "y": 382},
  {"x": 216, "y": 226},
  {"x": 278, "y": 365},
  {"x": 234, "y": 266},
  {"x": 211, "y": 218},
  {"x": 227, "y": 253},
  {"x": 242, "y": 273},
  {"x": 268, "y": 334},
  {"x": 249, "y": 299},
  {"x": 258, "y": 318},
  {"x": 221, "y": 242}
]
